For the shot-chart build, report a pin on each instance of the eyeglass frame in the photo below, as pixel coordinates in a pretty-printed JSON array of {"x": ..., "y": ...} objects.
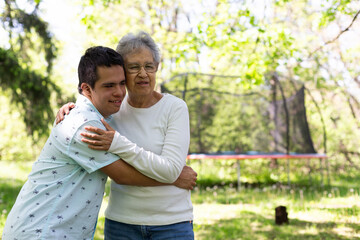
[{"x": 156, "y": 65}]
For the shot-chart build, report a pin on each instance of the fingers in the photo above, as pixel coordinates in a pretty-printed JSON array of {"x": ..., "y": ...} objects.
[
  {"x": 193, "y": 184},
  {"x": 187, "y": 168},
  {"x": 71, "y": 105},
  {"x": 193, "y": 181},
  {"x": 64, "y": 110},
  {"x": 97, "y": 138},
  {"x": 96, "y": 145},
  {"x": 92, "y": 142},
  {"x": 59, "y": 116},
  {"x": 92, "y": 136},
  {"x": 95, "y": 130},
  {"x": 108, "y": 127},
  {"x": 67, "y": 107}
]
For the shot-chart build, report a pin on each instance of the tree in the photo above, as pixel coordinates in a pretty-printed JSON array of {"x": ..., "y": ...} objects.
[
  {"x": 299, "y": 40},
  {"x": 26, "y": 63}
]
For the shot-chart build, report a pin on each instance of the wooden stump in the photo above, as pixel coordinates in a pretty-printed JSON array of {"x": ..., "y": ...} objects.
[{"x": 281, "y": 215}]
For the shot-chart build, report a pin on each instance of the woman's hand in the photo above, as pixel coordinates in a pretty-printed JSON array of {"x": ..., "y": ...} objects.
[
  {"x": 64, "y": 110},
  {"x": 187, "y": 179},
  {"x": 99, "y": 139}
]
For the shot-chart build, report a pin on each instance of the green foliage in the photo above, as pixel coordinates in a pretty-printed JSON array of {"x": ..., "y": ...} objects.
[
  {"x": 15, "y": 143},
  {"x": 247, "y": 39},
  {"x": 332, "y": 10},
  {"x": 105, "y": 3},
  {"x": 21, "y": 26},
  {"x": 30, "y": 89}
]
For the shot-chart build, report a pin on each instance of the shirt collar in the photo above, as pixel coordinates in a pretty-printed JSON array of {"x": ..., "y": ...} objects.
[{"x": 84, "y": 101}]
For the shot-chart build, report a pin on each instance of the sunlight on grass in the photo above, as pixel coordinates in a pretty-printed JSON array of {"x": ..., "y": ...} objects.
[
  {"x": 346, "y": 232},
  {"x": 210, "y": 213},
  {"x": 314, "y": 213},
  {"x": 221, "y": 212},
  {"x": 309, "y": 230},
  {"x": 14, "y": 170}
]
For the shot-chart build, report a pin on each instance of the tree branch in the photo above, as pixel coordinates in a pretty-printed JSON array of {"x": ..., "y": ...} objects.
[{"x": 337, "y": 37}]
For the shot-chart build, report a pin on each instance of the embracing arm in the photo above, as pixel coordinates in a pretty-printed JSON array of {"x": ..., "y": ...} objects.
[
  {"x": 118, "y": 170},
  {"x": 123, "y": 173},
  {"x": 164, "y": 167}
]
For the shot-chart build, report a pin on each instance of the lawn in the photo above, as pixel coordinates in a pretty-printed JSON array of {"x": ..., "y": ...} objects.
[{"x": 221, "y": 212}]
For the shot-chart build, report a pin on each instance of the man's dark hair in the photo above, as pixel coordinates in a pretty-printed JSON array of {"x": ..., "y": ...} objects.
[{"x": 96, "y": 57}]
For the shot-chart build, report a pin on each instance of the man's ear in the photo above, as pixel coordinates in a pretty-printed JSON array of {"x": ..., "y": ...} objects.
[{"x": 86, "y": 89}]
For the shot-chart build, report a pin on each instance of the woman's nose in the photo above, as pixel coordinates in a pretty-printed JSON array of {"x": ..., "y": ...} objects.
[{"x": 142, "y": 72}]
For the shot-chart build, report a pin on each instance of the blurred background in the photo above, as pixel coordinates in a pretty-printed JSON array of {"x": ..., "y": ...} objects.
[{"x": 243, "y": 49}]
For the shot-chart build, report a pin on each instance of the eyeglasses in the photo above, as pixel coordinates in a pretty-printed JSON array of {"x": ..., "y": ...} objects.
[{"x": 135, "y": 68}]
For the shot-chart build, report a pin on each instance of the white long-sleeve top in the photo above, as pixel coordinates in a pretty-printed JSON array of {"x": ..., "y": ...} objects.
[{"x": 155, "y": 141}]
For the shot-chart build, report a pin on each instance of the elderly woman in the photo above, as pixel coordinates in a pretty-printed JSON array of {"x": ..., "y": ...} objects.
[{"x": 159, "y": 125}]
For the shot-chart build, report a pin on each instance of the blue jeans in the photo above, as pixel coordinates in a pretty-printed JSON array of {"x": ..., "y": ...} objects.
[{"x": 121, "y": 231}]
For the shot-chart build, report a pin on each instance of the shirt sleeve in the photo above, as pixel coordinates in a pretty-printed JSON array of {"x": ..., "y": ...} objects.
[
  {"x": 91, "y": 160},
  {"x": 167, "y": 166}
]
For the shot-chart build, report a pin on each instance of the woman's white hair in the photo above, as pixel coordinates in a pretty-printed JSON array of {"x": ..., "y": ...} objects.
[{"x": 131, "y": 42}]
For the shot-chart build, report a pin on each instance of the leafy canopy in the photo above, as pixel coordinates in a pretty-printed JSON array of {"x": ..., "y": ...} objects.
[{"x": 30, "y": 46}]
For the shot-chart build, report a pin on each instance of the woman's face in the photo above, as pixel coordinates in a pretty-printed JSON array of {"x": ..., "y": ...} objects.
[{"x": 140, "y": 73}]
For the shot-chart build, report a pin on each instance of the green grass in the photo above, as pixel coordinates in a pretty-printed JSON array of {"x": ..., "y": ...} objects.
[
  {"x": 249, "y": 214},
  {"x": 221, "y": 212}
]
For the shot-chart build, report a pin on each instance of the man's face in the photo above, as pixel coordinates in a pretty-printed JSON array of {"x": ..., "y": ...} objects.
[
  {"x": 142, "y": 83},
  {"x": 109, "y": 90}
]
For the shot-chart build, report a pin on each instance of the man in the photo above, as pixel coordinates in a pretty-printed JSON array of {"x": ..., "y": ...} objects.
[{"x": 62, "y": 196}]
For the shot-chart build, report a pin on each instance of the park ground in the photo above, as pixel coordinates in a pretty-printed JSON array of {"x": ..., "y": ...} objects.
[{"x": 223, "y": 212}]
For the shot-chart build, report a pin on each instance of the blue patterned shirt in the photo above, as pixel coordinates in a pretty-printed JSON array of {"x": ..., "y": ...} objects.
[{"x": 61, "y": 198}]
